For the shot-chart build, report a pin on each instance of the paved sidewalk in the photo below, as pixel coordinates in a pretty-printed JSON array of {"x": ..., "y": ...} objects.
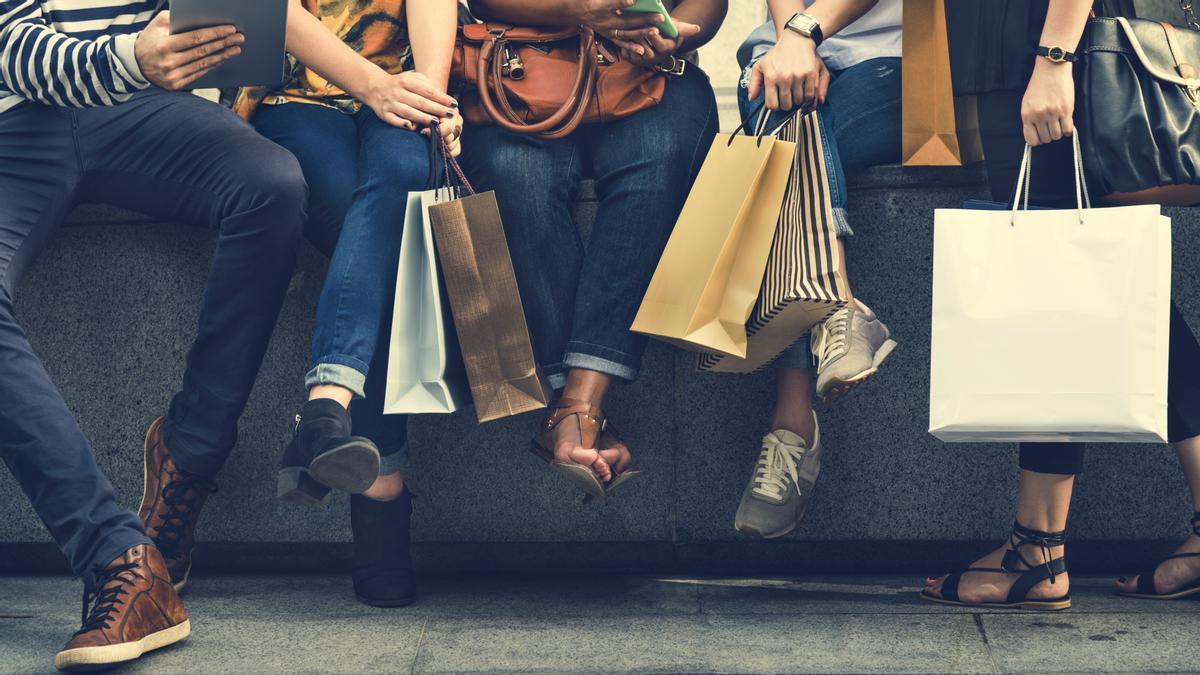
[{"x": 848, "y": 624}]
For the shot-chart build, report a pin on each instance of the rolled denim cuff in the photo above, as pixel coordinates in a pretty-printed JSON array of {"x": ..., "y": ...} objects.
[
  {"x": 798, "y": 355},
  {"x": 557, "y": 379},
  {"x": 393, "y": 460},
  {"x": 841, "y": 223},
  {"x": 600, "y": 365},
  {"x": 329, "y": 371}
]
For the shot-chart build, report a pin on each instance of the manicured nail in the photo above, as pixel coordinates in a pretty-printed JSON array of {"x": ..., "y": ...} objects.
[
  {"x": 454, "y": 104},
  {"x": 1122, "y": 580}
]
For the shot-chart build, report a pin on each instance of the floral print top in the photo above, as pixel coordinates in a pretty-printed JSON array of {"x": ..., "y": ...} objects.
[{"x": 376, "y": 29}]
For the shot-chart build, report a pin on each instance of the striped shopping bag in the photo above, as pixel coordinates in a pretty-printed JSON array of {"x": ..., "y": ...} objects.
[{"x": 802, "y": 285}]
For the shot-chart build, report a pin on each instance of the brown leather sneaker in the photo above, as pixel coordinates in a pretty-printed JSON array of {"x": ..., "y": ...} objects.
[
  {"x": 134, "y": 610},
  {"x": 171, "y": 502}
]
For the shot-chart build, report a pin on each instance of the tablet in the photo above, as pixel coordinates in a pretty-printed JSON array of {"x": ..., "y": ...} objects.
[{"x": 263, "y": 22}]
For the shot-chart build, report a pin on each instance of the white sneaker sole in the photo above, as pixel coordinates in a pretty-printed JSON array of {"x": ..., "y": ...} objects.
[
  {"x": 837, "y": 389},
  {"x": 94, "y": 658}
]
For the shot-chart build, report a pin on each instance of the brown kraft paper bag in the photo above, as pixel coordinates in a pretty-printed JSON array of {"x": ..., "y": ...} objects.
[
  {"x": 486, "y": 304},
  {"x": 939, "y": 129}
]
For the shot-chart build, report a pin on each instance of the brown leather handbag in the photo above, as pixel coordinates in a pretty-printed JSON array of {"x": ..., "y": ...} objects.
[{"x": 547, "y": 81}]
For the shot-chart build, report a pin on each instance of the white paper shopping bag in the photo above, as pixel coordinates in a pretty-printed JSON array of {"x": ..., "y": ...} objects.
[
  {"x": 424, "y": 370},
  {"x": 1050, "y": 325}
]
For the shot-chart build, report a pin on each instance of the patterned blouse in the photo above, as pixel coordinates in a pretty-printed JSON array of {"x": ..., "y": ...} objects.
[{"x": 376, "y": 29}]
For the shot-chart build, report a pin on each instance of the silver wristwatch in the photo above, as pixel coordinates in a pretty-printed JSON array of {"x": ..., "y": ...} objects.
[{"x": 807, "y": 26}]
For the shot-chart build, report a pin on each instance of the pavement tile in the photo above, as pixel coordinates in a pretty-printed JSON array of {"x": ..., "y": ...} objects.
[
  {"x": 1062, "y": 642},
  {"x": 586, "y": 595},
  {"x": 744, "y": 644}
]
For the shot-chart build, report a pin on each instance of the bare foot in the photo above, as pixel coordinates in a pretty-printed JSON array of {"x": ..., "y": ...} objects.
[
  {"x": 569, "y": 447},
  {"x": 1171, "y": 575},
  {"x": 978, "y": 587},
  {"x": 614, "y": 451}
]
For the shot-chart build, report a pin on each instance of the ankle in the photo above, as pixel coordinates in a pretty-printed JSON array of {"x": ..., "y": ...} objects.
[
  {"x": 332, "y": 392},
  {"x": 387, "y": 488},
  {"x": 802, "y": 423}
]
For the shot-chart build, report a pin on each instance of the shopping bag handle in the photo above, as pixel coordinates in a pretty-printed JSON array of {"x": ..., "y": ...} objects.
[
  {"x": 442, "y": 158},
  {"x": 1021, "y": 195},
  {"x": 760, "y": 127}
]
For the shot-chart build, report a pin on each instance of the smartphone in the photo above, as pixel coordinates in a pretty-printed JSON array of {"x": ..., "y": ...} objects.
[{"x": 656, "y": 7}]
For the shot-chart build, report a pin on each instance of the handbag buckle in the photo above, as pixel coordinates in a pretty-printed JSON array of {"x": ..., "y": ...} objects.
[{"x": 677, "y": 67}]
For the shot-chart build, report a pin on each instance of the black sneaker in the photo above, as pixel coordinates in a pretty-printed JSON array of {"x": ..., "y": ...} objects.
[
  {"x": 323, "y": 455},
  {"x": 383, "y": 569}
]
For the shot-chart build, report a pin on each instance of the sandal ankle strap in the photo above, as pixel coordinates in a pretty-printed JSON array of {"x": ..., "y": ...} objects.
[{"x": 1026, "y": 536}]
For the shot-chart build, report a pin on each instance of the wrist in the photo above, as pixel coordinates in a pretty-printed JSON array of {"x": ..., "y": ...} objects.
[
  {"x": 368, "y": 87},
  {"x": 792, "y": 39},
  {"x": 1048, "y": 67}
]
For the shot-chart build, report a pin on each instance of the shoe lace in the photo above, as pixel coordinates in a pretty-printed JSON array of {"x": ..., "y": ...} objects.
[
  {"x": 103, "y": 600},
  {"x": 776, "y": 468},
  {"x": 1025, "y": 536},
  {"x": 837, "y": 331},
  {"x": 179, "y": 516}
]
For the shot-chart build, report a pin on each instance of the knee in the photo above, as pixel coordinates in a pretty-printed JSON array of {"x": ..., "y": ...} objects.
[
  {"x": 272, "y": 187},
  {"x": 278, "y": 181}
]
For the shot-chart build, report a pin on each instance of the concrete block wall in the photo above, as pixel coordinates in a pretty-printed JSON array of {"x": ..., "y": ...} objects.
[{"x": 112, "y": 305}]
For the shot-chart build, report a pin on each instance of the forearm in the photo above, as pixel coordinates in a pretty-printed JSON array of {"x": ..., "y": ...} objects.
[
  {"x": 708, "y": 14},
  {"x": 432, "y": 25},
  {"x": 1065, "y": 21},
  {"x": 320, "y": 49},
  {"x": 833, "y": 15},
  {"x": 44, "y": 65},
  {"x": 529, "y": 12}
]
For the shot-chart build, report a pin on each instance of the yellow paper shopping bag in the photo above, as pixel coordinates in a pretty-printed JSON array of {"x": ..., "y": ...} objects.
[{"x": 710, "y": 273}]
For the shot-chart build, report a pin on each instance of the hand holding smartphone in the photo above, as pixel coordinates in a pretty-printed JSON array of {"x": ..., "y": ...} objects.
[{"x": 667, "y": 28}]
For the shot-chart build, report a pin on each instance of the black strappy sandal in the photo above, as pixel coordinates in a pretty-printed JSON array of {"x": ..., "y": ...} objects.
[
  {"x": 1145, "y": 587},
  {"x": 1031, "y": 575}
]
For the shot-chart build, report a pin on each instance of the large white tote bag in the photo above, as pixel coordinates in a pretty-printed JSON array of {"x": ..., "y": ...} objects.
[
  {"x": 424, "y": 371},
  {"x": 1050, "y": 325}
]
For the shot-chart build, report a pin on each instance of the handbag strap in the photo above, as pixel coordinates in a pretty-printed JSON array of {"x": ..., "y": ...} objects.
[
  {"x": 495, "y": 100},
  {"x": 1021, "y": 196},
  {"x": 1182, "y": 66}
]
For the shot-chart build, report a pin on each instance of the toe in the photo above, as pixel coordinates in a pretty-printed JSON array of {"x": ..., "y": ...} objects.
[{"x": 1127, "y": 584}]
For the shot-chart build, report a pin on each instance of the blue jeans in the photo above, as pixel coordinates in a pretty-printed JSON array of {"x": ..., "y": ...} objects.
[
  {"x": 360, "y": 171},
  {"x": 580, "y": 300},
  {"x": 860, "y": 127},
  {"x": 178, "y": 158}
]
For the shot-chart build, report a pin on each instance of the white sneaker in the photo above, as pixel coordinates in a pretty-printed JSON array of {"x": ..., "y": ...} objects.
[{"x": 850, "y": 346}]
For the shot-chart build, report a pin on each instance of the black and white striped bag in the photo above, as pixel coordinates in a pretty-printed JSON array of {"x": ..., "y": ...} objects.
[{"x": 802, "y": 285}]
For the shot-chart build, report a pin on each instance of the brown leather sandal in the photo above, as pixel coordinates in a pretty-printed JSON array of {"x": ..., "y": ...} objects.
[{"x": 590, "y": 424}]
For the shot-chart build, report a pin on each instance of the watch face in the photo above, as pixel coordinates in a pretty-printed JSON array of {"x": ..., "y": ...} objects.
[
  {"x": 803, "y": 23},
  {"x": 1057, "y": 53}
]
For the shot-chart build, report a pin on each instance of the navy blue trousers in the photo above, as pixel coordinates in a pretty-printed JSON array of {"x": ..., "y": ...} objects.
[{"x": 178, "y": 158}]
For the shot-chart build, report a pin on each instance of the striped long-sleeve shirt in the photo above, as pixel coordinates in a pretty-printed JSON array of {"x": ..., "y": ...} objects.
[{"x": 71, "y": 53}]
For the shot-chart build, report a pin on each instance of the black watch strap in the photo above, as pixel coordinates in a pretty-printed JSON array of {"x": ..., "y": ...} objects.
[{"x": 1056, "y": 54}]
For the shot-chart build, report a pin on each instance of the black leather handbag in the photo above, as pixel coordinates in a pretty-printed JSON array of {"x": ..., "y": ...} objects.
[{"x": 1138, "y": 111}]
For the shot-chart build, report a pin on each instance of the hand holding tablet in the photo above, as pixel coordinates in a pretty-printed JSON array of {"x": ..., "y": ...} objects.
[{"x": 174, "y": 62}]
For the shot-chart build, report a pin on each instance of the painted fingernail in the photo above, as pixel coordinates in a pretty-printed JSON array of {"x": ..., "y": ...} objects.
[
  {"x": 1122, "y": 580},
  {"x": 448, "y": 115},
  {"x": 454, "y": 104}
]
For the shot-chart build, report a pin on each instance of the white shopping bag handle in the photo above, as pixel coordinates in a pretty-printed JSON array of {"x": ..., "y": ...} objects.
[{"x": 1021, "y": 195}]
